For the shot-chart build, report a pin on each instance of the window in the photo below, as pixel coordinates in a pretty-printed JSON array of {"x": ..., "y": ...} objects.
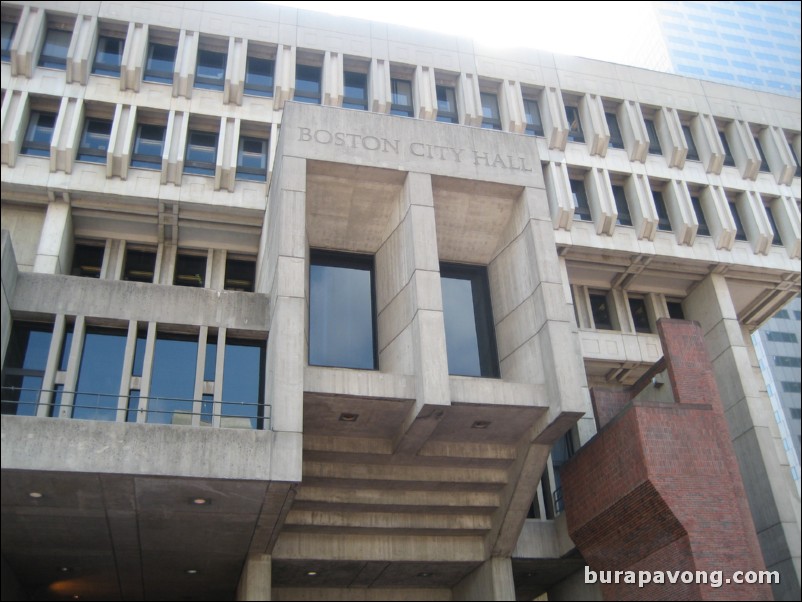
[
  {"x": 8, "y": 30},
  {"x": 692, "y": 154},
  {"x": 775, "y": 239},
  {"x": 796, "y": 413},
  {"x": 140, "y": 265},
  {"x": 54, "y": 50},
  {"x": 703, "y": 229},
  {"x": 581, "y": 207},
  {"x": 468, "y": 315},
  {"x": 787, "y": 361},
  {"x": 575, "y": 133},
  {"x": 446, "y": 104},
  {"x": 616, "y": 140},
  {"x": 728, "y": 159},
  {"x": 341, "y": 311},
  {"x": 160, "y": 63},
  {"x": 190, "y": 270},
  {"x": 39, "y": 134},
  {"x": 600, "y": 309},
  {"x": 534, "y": 124},
  {"x": 781, "y": 337},
  {"x": 99, "y": 375},
  {"x": 108, "y": 56},
  {"x": 621, "y": 205},
  {"x": 740, "y": 233},
  {"x": 252, "y": 159},
  {"x": 211, "y": 70},
  {"x": 640, "y": 316},
  {"x": 24, "y": 370},
  {"x": 792, "y": 387},
  {"x": 243, "y": 384},
  {"x": 764, "y": 165},
  {"x": 240, "y": 274},
  {"x": 654, "y": 141},
  {"x": 663, "y": 221},
  {"x": 259, "y": 76},
  {"x": 491, "y": 118},
  {"x": 401, "y": 90},
  {"x": 355, "y": 94},
  {"x": 148, "y": 146},
  {"x": 675, "y": 310},
  {"x": 172, "y": 386},
  {"x": 87, "y": 260},
  {"x": 94, "y": 140},
  {"x": 307, "y": 84},
  {"x": 783, "y": 315},
  {"x": 201, "y": 153}
]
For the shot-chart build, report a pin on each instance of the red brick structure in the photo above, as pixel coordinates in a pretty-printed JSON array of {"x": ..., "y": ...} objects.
[{"x": 658, "y": 489}]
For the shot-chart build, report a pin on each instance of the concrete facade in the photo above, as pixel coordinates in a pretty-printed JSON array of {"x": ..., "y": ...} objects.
[{"x": 402, "y": 482}]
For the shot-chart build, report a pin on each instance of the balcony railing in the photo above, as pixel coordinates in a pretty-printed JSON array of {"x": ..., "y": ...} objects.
[{"x": 82, "y": 405}]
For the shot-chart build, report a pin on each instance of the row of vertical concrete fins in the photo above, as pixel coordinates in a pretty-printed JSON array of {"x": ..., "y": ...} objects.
[
  {"x": 33, "y": 23},
  {"x": 69, "y": 127}
]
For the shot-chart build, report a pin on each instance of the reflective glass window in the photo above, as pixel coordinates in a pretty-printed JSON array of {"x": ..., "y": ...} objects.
[
  {"x": 160, "y": 63},
  {"x": 491, "y": 118},
  {"x": 355, "y": 90},
  {"x": 401, "y": 90},
  {"x": 534, "y": 124},
  {"x": 108, "y": 56},
  {"x": 148, "y": 146},
  {"x": 54, "y": 51},
  {"x": 38, "y": 134},
  {"x": 446, "y": 104},
  {"x": 24, "y": 370},
  {"x": 99, "y": 376},
  {"x": 259, "y": 76},
  {"x": 211, "y": 70},
  {"x": 307, "y": 84},
  {"x": 243, "y": 384},
  {"x": 94, "y": 141},
  {"x": 172, "y": 386}
]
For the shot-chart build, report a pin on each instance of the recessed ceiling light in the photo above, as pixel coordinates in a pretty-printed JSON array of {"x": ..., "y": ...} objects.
[
  {"x": 35, "y": 495},
  {"x": 348, "y": 417},
  {"x": 64, "y": 569},
  {"x": 424, "y": 574},
  {"x": 480, "y": 424},
  {"x": 200, "y": 501},
  {"x": 192, "y": 571},
  {"x": 311, "y": 573}
]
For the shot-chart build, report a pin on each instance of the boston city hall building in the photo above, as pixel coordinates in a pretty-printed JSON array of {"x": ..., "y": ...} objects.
[{"x": 301, "y": 307}]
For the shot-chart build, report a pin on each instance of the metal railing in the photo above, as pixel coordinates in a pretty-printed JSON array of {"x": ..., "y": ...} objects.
[{"x": 58, "y": 403}]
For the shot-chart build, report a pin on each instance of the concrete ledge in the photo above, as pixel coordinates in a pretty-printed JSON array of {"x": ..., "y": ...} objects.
[{"x": 144, "y": 449}]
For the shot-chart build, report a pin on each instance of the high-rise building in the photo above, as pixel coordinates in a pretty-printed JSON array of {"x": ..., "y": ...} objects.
[
  {"x": 751, "y": 44},
  {"x": 305, "y": 307}
]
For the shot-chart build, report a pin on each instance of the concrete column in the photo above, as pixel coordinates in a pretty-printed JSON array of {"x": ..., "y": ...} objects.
[
  {"x": 708, "y": 142},
  {"x": 175, "y": 141},
  {"x": 469, "y": 102},
  {"x": 491, "y": 581},
  {"x": 719, "y": 219},
  {"x": 134, "y": 56},
  {"x": 671, "y": 137},
  {"x": 552, "y": 113},
  {"x": 772, "y": 496},
  {"x": 185, "y": 58},
  {"x": 285, "y": 76},
  {"x": 424, "y": 89},
  {"x": 381, "y": 98},
  {"x": 786, "y": 216},
  {"x": 9, "y": 284},
  {"x": 560, "y": 197},
  {"x": 511, "y": 106},
  {"x": 15, "y": 113},
  {"x": 594, "y": 124},
  {"x": 778, "y": 154},
  {"x": 66, "y": 134},
  {"x": 54, "y": 253},
  {"x": 255, "y": 580},
  {"x": 755, "y": 222},
  {"x": 123, "y": 130},
  {"x": 633, "y": 130},
  {"x": 331, "y": 80},
  {"x": 600, "y": 200},
  {"x": 641, "y": 206},
  {"x": 227, "y": 146},
  {"x": 81, "y": 52},
  {"x": 743, "y": 148},
  {"x": 680, "y": 211},
  {"x": 28, "y": 41},
  {"x": 236, "y": 62}
]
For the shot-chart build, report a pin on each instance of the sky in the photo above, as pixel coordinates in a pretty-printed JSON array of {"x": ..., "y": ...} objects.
[{"x": 590, "y": 29}]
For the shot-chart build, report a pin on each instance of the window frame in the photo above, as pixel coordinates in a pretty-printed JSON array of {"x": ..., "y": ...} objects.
[
  {"x": 533, "y": 128},
  {"x": 91, "y": 252},
  {"x": 489, "y": 102},
  {"x": 258, "y": 89},
  {"x": 198, "y": 167},
  {"x": 33, "y": 147},
  {"x": 90, "y": 150},
  {"x": 449, "y": 114},
  {"x": 158, "y": 76},
  {"x": 308, "y": 96},
  {"x": 6, "y": 41},
  {"x": 240, "y": 262},
  {"x": 354, "y": 261},
  {"x": 355, "y": 102},
  {"x": 143, "y": 160},
  {"x": 245, "y": 172},
  {"x": 184, "y": 278},
  {"x": 206, "y": 81},
  {"x": 616, "y": 138},
  {"x": 575, "y": 131},
  {"x": 105, "y": 66},
  {"x": 595, "y": 310},
  {"x": 53, "y": 61},
  {"x": 639, "y": 313},
  {"x": 487, "y": 349},
  {"x": 127, "y": 273},
  {"x": 399, "y": 109}
]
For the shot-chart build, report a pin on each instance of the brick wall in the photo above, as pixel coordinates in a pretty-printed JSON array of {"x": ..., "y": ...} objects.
[{"x": 658, "y": 488}]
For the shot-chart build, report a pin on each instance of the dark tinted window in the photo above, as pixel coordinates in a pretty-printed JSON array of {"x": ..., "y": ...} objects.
[
  {"x": 259, "y": 76},
  {"x": 307, "y": 84},
  {"x": 100, "y": 375},
  {"x": 26, "y": 358},
  {"x": 108, "y": 56},
  {"x": 663, "y": 221},
  {"x": 402, "y": 98},
  {"x": 470, "y": 337},
  {"x": 491, "y": 118},
  {"x": 201, "y": 153},
  {"x": 693, "y": 154},
  {"x": 654, "y": 141},
  {"x": 94, "y": 141},
  {"x": 640, "y": 317},
  {"x": 341, "y": 311},
  {"x": 581, "y": 207},
  {"x": 703, "y": 229},
  {"x": 87, "y": 260},
  {"x": 355, "y": 91},
  {"x": 160, "y": 64},
  {"x": 148, "y": 146},
  {"x": 54, "y": 51},
  {"x": 139, "y": 265},
  {"x": 38, "y": 134},
  {"x": 240, "y": 275},
  {"x": 616, "y": 139},
  {"x": 190, "y": 270},
  {"x": 447, "y": 104},
  {"x": 534, "y": 123},
  {"x": 600, "y": 308},
  {"x": 621, "y": 205},
  {"x": 211, "y": 70}
]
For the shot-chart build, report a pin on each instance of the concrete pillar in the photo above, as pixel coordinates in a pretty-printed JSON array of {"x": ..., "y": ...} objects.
[
  {"x": 54, "y": 253},
  {"x": 255, "y": 580},
  {"x": 600, "y": 200},
  {"x": 641, "y": 206},
  {"x": 560, "y": 197},
  {"x": 9, "y": 283},
  {"x": 633, "y": 130},
  {"x": 552, "y": 113},
  {"x": 772, "y": 496},
  {"x": 672, "y": 139},
  {"x": 491, "y": 581},
  {"x": 594, "y": 124}
]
